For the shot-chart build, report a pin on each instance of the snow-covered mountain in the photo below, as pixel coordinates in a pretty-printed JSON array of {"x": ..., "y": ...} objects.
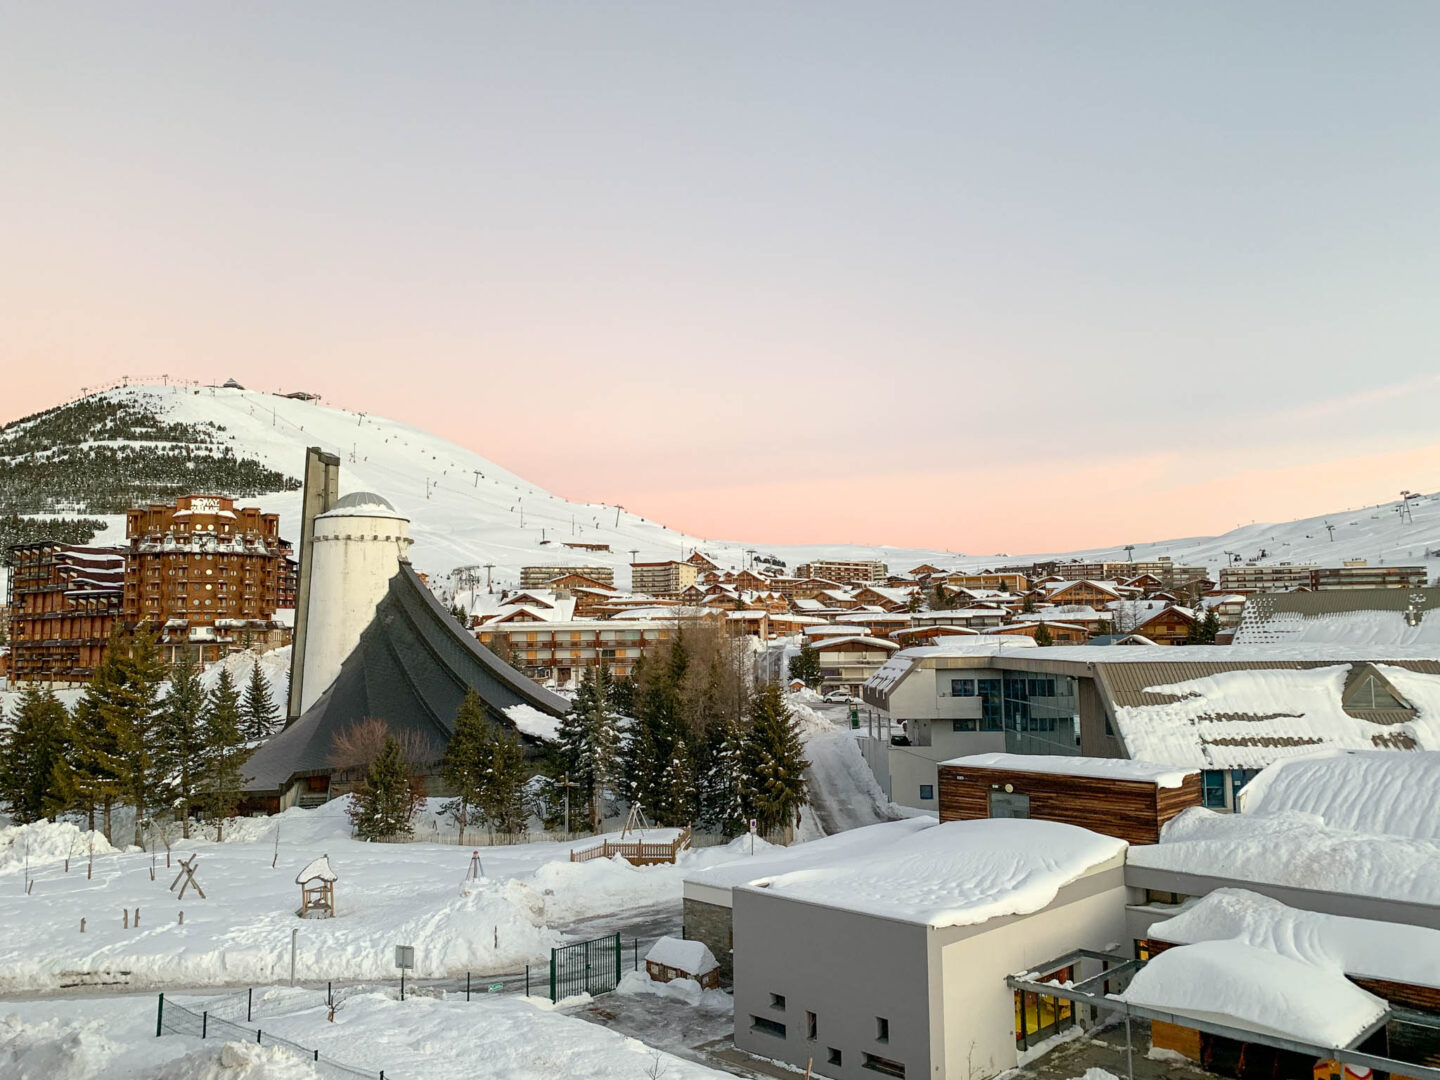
[{"x": 467, "y": 511}]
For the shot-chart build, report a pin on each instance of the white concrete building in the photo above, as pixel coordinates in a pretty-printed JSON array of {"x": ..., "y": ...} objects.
[
  {"x": 358, "y": 547},
  {"x": 894, "y": 962}
]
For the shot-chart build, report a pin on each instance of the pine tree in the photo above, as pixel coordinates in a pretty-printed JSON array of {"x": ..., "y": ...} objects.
[
  {"x": 223, "y": 749},
  {"x": 466, "y": 757},
  {"x": 502, "y": 794},
  {"x": 805, "y": 665},
  {"x": 1042, "y": 636},
  {"x": 385, "y": 801},
  {"x": 590, "y": 742},
  {"x": 774, "y": 761},
  {"x": 114, "y": 730},
  {"x": 257, "y": 712},
  {"x": 180, "y": 748},
  {"x": 30, "y": 752},
  {"x": 723, "y": 787}
]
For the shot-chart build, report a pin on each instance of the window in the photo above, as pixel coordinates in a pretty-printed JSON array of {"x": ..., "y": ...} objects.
[
  {"x": 832, "y": 1056},
  {"x": 884, "y": 1065},
  {"x": 812, "y": 1025},
  {"x": 777, "y": 1001},
  {"x": 768, "y": 1026},
  {"x": 962, "y": 725},
  {"x": 1213, "y": 789},
  {"x": 962, "y": 687},
  {"x": 882, "y": 1029},
  {"x": 1238, "y": 779},
  {"x": 927, "y": 792}
]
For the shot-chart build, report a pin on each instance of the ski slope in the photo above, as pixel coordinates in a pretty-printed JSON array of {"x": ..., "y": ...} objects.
[{"x": 467, "y": 511}]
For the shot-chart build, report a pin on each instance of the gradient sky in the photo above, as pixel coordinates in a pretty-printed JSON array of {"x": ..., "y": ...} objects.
[{"x": 988, "y": 277}]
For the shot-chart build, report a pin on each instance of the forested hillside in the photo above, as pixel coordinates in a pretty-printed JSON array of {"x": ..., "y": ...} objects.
[{"x": 104, "y": 454}]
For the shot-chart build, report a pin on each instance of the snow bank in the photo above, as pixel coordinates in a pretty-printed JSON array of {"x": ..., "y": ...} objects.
[
  {"x": 1296, "y": 849},
  {"x": 240, "y": 1061},
  {"x": 1372, "y": 792},
  {"x": 1358, "y": 947},
  {"x": 1164, "y": 776},
  {"x": 1230, "y": 982},
  {"x": 959, "y": 873},
  {"x": 52, "y": 1049},
  {"x": 45, "y": 842}
]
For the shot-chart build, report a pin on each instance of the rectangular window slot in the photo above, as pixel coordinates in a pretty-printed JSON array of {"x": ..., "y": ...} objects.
[
  {"x": 884, "y": 1066},
  {"x": 768, "y": 1026},
  {"x": 812, "y": 1025},
  {"x": 882, "y": 1029},
  {"x": 777, "y": 1001}
]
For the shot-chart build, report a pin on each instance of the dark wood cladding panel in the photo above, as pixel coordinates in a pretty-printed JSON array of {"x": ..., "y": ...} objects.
[{"x": 1133, "y": 810}]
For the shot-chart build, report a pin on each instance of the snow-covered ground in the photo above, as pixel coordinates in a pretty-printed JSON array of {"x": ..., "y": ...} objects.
[
  {"x": 240, "y": 933},
  {"x": 421, "y": 1038},
  {"x": 467, "y": 511}
]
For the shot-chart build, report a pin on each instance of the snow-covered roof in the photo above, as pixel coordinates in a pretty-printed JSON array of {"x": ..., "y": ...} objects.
[
  {"x": 827, "y": 643},
  {"x": 363, "y": 504},
  {"x": 529, "y": 720},
  {"x": 1362, "y": 948},
  {"x": 895, "y": 668},
  {"x": 1371, "y": 792},
  {"x": 864, "y": 841},
  {"x": 318, "y": 868},
  {"x": 1291, "y": 848},
  {"x": 958, "y": 873},
  {"x": 1250, "y": 717},
  {"x": 691, "y": 957},
  {"x": 1162, "y": 776},
  {"x": 1257, "y": 990},
  {"x": 829, "y": 630}
]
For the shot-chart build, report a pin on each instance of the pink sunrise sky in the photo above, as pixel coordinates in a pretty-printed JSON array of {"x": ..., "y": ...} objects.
[{"x": 993, "y": 278}]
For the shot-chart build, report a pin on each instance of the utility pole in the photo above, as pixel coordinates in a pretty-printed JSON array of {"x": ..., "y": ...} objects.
[
  {"x": 488, "y": 567},
  {"x": 617, "y": 515},
  {"x": 477, "y": 477},
  {"x": 1129, "y": 552},
  {"x": 1331, "y": 530}
]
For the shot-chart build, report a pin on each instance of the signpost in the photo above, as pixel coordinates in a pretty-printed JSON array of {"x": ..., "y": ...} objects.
[
  {"x": 404, "y": 960},
  {"x": 753, "y": 823}
]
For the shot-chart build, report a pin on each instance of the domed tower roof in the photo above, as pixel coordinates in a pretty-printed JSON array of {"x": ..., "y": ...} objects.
[{"x": 362, "y": 504}]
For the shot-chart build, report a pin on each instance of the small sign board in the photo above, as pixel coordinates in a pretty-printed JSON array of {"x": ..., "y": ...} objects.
[
  {"x": 753, "y": 823},
  {"x": 404, "y": 956}
]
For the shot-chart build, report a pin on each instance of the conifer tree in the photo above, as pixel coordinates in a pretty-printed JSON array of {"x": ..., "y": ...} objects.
[
  {"x": 31, "y": 750},
  {"x": 385, "y": 801},
  {"x": 590, "y": 742},
  {"x": 466, "y": 757},
  {"x": 114, "y": 730},
  {"x": 180, "y": 748},
  {"x": 503, "y": 792},
  {"x": 1043, "y": 637},
  {"x": 223, "y": 748},
  {"x": 805, "y": 665},
  {"x": 774, "y": 761},
  {"x": 257, "y": 711},
  {"x": 723, "y": 789}
]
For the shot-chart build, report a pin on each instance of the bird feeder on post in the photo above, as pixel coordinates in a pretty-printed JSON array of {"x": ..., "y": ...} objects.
[{"x": 317, "y": 890}]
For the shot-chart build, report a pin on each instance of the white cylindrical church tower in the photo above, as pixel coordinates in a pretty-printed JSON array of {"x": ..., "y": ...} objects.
[{"x": 358, "y": 547}]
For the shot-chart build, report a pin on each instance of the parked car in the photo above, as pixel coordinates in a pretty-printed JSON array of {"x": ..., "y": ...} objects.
[{"x": 837, "y": 697}]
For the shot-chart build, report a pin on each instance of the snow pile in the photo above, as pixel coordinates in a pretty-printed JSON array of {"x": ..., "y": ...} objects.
[
  {"x": 685, "y": 991},
  {"x": 1358, "y": 947},
  {"x": 52, "y": 1049},
  {"x": 1295, "y": 849},
  {"x": 43, "y": 842},
  {"x": 691, "y": 957},
  {"x": 1162, "y": 776},
  {"x": 1372, "y": 792},
  {"x": 240, "y": 1061},
  {"x": 529, "y": 720},
  {"x": 1240, "y": 985},
  {"x": 1230, "y": 720},
  {"x": 844, "y": 793},
  {"x": 959, "y": 873}
]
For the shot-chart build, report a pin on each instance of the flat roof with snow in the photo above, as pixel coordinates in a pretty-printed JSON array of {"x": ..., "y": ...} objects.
[
  {"x": 1145, "y": 772},
  {"x": 959, "y": 873}
]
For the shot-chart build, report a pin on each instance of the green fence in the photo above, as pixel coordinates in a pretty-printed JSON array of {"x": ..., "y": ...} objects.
[{"x": 586, "y": 967}]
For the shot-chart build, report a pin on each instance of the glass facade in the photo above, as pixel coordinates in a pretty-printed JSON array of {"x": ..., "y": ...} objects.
[{"x": 1040, "y": 714}]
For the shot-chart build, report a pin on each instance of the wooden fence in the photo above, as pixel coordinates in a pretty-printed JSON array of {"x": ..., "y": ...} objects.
[{"x": 638, "y": 852}]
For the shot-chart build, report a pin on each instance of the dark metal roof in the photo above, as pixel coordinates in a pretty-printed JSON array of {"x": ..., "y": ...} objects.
[{"x": 411, "y": 668}]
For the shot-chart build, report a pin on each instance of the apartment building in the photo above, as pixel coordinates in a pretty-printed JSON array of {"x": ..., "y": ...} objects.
[
  {"x": 63, "y": 601},
  {"x": 535, "y": 577},
  {"x": 843, "y": 571},
  {"x": 663, "y": 578},
  {"x": 206, "y": 575},
  {"x": 1284, "y": 577},
  {"x": 999, "y": 581},
  {"x": 560, "y": 651}
]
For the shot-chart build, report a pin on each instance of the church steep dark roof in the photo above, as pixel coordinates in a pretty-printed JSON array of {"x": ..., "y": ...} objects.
[{"x": 411, "y": 668}]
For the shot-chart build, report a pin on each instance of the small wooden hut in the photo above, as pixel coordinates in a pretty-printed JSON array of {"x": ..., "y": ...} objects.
[
  {"x": 676, "y": 958},
  {"x": 317, "y": 890}
]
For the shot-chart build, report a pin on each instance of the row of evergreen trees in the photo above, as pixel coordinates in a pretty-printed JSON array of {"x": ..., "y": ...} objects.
[
  {"x": 133, "y": 741},
  {"x": 687, "y": 739}
]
